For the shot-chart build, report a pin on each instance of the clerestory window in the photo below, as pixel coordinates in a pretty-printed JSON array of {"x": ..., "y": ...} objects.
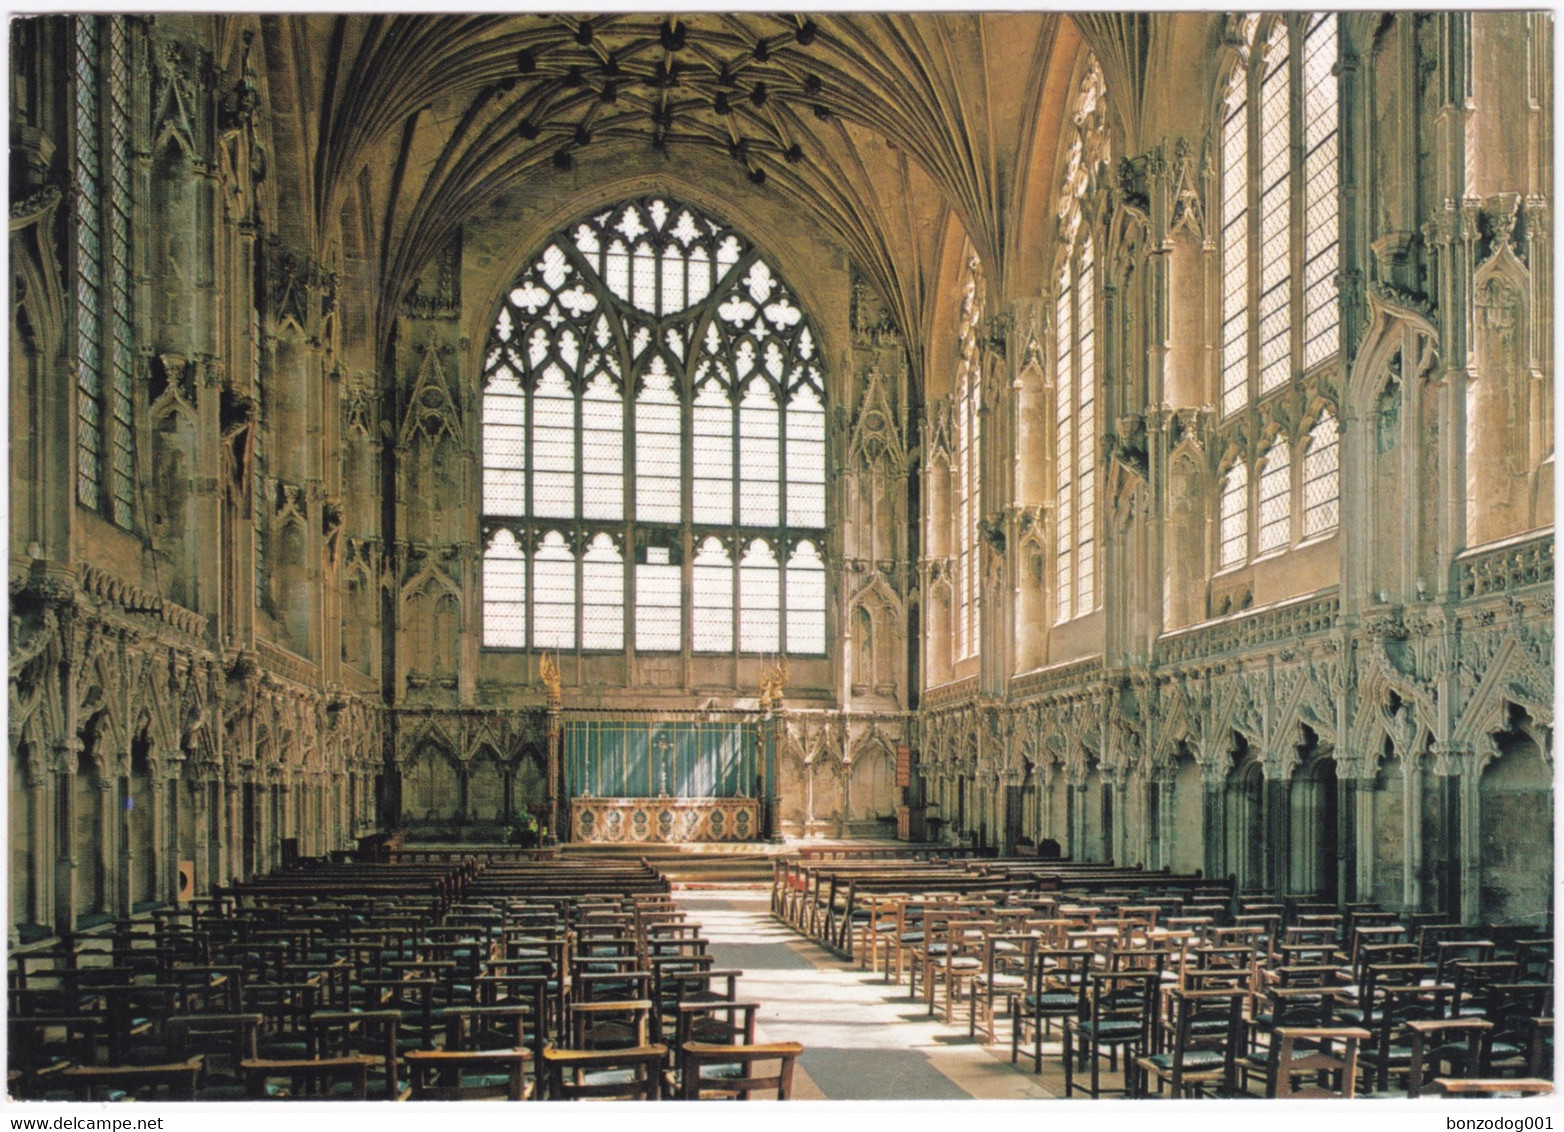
[{"x": 653, "y": 445}]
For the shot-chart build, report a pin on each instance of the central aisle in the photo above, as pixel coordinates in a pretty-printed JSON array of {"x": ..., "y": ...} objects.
[{"x": 864, "y": 1039}]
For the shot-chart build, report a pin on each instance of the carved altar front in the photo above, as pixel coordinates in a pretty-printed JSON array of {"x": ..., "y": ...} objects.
[{"x": 641, "y": 820}]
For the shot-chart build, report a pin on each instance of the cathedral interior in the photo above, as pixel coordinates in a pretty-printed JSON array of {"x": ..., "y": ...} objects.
[{"x": 1126, "y": 436}]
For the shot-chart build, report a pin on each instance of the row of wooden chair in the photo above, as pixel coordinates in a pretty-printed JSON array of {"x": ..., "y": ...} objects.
[{"x": 318, "y": 991}]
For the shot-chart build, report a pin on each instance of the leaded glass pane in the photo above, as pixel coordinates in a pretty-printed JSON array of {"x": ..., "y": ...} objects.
[
  {"x": 760, "y": 600},
  {"x": 658, "y": 467},
  {"x": 1321, "y": 489},
  {"x": 759, "y": 455},
  {"x": 1275, "y": 499},
  {"x": 712, "y": 455},
  {"x": 1275, "y": 308},
  {"x": 504, "y": 593},
  {"x": 1235, "y": 516},
  {"x": 602, "y": 595},
  {"x": 89, "y": 269},
  {"x": 553, "y": 594},
  {"x": 805, "y": 601},
  {"x": 1321, "y": 188},
  {"x": 805, "y": 464},
  {"x": 712, "y": 598},
  {"x": 659, "y": 602}
]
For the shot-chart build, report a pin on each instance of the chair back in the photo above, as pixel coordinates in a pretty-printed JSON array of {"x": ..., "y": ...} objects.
[
  {"x": 1332, "y": 1064},
  {"x": 696, "y": 1057},
  {"x": 464, "y": 1075},
  {"x": 319, "y": 1079},
  {"x": 618, "y": 1074}
]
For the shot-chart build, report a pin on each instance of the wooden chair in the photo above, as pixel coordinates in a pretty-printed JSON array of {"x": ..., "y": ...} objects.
[
  {"x": 373, "y": 1033},
  {"x": 1121, "y": 1015},
  {"x": 1006, "y": 959},
  {"x": 40, "y": 1046},
  {"x": 308, "y": 1079},
  {"x": 1438, "y": 1041},
  {"x": 1204, "y": 1035},
  {"x": 462, "y": 1075},
  {"x": 1056, "y": 989},
  {"x": 619, "y": 1074},
  {"x": 961, "y": 962},
  {"x": 609, "y": 1025},
  {"x": 1494, "y": 1087},
  {"x": 224, "y": 1041},
  {"x": 1297, "y": 1008},
  {"x": 1395, "y": 1009},
  {"x": 696, "y": 1083},
  {"x": 175, "y": 1081},
  {"x": 1335, "y": 1073}
]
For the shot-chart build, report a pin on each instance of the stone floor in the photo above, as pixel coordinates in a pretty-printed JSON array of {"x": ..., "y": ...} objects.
[{"x": 864, "y": 1039}]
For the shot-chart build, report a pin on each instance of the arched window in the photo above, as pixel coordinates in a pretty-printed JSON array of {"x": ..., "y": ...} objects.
[
  {"x": 969, "y": 404},
  {"x": 105, "y": 341},
  {"x": 1275, "y": 498},
  {"x": 1235, "y": 516},
  {"x": 652, "y": 390},
  {"x": 1321, "y": 489},
  {"x": 1075, "y": 366},
  {"x": 1279, "y": 175}
]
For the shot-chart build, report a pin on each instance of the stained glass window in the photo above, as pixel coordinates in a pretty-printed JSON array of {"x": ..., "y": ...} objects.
[{"x": 651, "y": 384}]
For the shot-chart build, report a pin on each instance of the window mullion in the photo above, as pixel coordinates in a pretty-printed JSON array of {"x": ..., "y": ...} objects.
[
  {"x": 1297, "y": 203},
  {"x": 1255, "y": 158}
]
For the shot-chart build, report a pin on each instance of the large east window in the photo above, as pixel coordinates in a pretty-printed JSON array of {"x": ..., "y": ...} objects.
[{"x": 653, "y": 445}]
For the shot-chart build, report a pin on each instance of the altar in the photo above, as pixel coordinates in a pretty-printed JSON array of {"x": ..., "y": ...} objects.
[{"x": 646, "y": 820}]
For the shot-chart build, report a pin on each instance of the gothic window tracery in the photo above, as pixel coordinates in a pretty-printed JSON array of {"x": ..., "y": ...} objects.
[{"x": 650, "y": 383}]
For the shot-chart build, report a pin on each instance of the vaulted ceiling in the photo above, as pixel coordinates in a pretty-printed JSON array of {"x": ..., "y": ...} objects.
[{"x": 879, "y": 128}]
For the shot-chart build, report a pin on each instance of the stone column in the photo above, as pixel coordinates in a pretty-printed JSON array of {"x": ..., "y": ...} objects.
[
  {"x": 67, "y": 756},
  {"x": 1471, "y": 842},
  {"x": 1364, "y": 807},
  {"x": 1412, "y": 832}
]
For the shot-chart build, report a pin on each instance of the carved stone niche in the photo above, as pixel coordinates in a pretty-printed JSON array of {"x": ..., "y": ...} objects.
[{"x": 1232, "y": 594}]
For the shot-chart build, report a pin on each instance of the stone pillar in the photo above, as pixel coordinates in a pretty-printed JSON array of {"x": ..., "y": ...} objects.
[
  {"x": 1470, "y": 843},
  {"x": 68, "y": 753},
  {"x": 1364, "y": 834},
  {"x": 38, "y": 832},
  {"x": 1216, "y": 826},
  {"x": 1412, "y": 833}
]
